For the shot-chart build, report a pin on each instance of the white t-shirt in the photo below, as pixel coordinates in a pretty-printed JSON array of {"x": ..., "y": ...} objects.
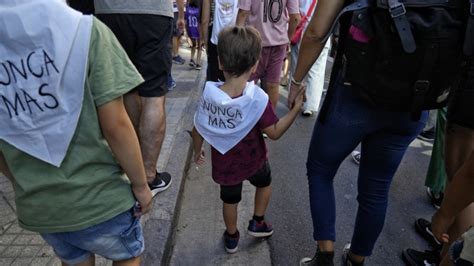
[{"x": 225, "y": 15}]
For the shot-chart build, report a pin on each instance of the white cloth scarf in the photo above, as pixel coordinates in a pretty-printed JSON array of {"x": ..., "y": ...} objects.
[
  {"x": 222, "y": 121},
  {"x": 43, "y": 59}
]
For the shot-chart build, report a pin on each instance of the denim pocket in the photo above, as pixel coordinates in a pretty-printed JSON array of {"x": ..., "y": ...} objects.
[{"x": 132, "y": 238}]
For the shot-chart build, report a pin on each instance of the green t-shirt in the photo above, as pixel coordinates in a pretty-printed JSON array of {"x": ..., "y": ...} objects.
[{"x": 89, "y": 187}]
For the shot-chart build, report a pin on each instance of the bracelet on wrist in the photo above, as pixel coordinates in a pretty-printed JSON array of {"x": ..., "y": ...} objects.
[{"x": 297, "y": 83}]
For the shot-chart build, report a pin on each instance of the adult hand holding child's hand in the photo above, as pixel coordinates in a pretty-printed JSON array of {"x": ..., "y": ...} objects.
[{"x": 144, "y": 197}]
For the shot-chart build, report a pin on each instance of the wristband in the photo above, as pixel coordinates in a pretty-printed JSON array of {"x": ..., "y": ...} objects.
[{"x": 297, "y": 83}]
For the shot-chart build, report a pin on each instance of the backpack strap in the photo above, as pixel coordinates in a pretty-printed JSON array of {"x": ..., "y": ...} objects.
[
  {"x": 356, "y": 5},
  {"x": 398, "y": 13},
  {"x": 469, "y": 38},
  {"x": 422, "y": 84}
]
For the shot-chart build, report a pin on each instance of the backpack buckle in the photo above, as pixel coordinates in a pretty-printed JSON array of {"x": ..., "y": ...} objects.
[{"x": 399, "y": 10}]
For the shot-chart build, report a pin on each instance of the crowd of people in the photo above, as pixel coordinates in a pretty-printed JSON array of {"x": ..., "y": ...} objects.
[{"x": 83, "y": 114}]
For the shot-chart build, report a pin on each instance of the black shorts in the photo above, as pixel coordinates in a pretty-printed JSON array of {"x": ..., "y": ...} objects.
[
  {"x": 147, "y": 41},
  {"x": 261, "y": 179},
  {"x": 461, "y": 107},
  {"x": 213, "y": 72}
]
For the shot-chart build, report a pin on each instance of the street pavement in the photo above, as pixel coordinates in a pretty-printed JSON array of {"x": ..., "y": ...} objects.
[{"x": 21, "y": 247}]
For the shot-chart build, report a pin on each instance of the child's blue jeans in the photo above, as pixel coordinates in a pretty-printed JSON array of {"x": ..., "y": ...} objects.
[{"x": 384, "y": 136}]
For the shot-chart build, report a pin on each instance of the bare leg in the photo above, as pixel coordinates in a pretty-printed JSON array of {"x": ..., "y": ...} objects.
[
  {"x": 459, "y": 145},
  {"x": 152, "y": 132},
  {"x": 262, "y": 198},
  {"x": 193, "y": 48},
  {"x": 199, "y": 52},
  {"x": 230, "y": 217},
  {"x": 273, "y": 91},
  {"x": 130, "y": 262},
  {"x": 326, "y": 245}
]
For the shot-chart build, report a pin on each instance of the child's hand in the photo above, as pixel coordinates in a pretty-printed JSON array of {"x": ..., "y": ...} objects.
[
  {"x": 300, "y": 99},
  {"x": 199, "y": 157},
  {"x": 144, "y": 198}
]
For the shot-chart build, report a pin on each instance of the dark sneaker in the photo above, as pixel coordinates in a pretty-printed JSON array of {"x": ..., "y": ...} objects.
[
  {"x": 436, "y": 199},
  {"x": 179, "y": 60},
  {"x": 319, "y": 259},
  {"x": 171, "y": 83},
  {"x": 427, "y": 135},
  {"x": 260, "y": 229},
  {"x": 161, "y": 183},
  {"x": 356, "y": 157},
  {"x": 423, "y": 227},
  {"x": 198, "y": 67},
  {"x": 231, "y": 243},
  {"x": 192, "y": 63},
  {"x": 346, "y": 261},
  {"x": 412, "y": 257}
]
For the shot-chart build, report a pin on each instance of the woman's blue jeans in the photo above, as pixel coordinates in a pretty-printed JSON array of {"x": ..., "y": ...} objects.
[{"x": 384, "y": 137}]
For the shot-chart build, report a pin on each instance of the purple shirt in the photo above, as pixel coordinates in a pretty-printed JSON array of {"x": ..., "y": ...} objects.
[
  {"x": 192, "y": 21},
  {"x": 247, "y": 157}
]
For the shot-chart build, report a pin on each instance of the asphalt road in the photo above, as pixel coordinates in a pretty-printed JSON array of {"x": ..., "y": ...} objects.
[{"x": 289, "y": 208}]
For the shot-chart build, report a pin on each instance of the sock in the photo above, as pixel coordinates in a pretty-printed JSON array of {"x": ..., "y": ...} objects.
[{"x": 258, "y": 218}]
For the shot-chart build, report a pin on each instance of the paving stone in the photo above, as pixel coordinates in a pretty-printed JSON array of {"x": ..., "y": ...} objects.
[
  {"x": 54, "y": 262},
  {"x": 23, "y": 239},
  {"x": 40, "y": 261},
  {"x": 6, "y": 261},
  {"x": 22, "y": 262},
  {"x": 30, "y": 251},
  {"x": 6, "y": 239},
  {"x": 12, "y": 251},
  {"x": 14, "y": 229},
  {"x": 46, "y": 251},
  {"x": 37, "y": 240}
]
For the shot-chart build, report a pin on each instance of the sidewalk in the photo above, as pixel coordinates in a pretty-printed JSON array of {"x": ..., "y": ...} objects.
[{"x": 21, "y": 247}]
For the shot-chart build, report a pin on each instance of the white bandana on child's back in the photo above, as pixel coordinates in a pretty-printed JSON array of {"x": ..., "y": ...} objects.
[
  {"x": 223, "y": 121},
  {"x": 43, "y": 59}
]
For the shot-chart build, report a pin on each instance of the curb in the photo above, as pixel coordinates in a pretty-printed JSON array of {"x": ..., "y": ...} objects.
[{"x": 159, "y": 225}]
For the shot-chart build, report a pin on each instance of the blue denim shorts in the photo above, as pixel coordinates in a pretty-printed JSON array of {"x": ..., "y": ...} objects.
[{"x": 119, "y": 238}]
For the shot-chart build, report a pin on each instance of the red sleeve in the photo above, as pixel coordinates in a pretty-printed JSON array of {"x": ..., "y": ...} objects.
[{"x": 268, "y": 117}]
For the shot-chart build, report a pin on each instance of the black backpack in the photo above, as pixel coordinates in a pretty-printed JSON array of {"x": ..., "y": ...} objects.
[{"x": 414, "y": 55}]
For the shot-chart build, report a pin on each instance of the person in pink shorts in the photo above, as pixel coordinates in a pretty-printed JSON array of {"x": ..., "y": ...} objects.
[{"x": 276, "y": 21}]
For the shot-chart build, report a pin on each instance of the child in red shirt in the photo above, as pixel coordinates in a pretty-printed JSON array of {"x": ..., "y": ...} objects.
[{"x": 231, "y": 117}]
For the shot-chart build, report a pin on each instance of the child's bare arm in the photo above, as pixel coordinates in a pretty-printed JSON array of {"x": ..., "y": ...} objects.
[
  {"x": 276, "y": 130},
  {"x": 120, "y": 134},
  {"x": 197, "y": 147}
]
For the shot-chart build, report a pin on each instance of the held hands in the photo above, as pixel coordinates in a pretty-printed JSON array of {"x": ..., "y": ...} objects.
[
  {"x": 439, "y": 226},
  {"x": 296, "y": 96},
  {"x": 143, "y": 195},
  {"x": 199, "y": 157}
]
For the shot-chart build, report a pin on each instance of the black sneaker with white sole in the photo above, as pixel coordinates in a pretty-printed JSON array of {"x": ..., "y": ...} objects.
[
  {"x": 412, "y": 257},
  {"x": 319, "y": 259},
  {"x": 435, "y": 198},
  {"x": 423, "y": 227},
  {"x": 356, "y": 157},
  {"x": 161, "y": 183},
  {"x": 346, "y": 258}
]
